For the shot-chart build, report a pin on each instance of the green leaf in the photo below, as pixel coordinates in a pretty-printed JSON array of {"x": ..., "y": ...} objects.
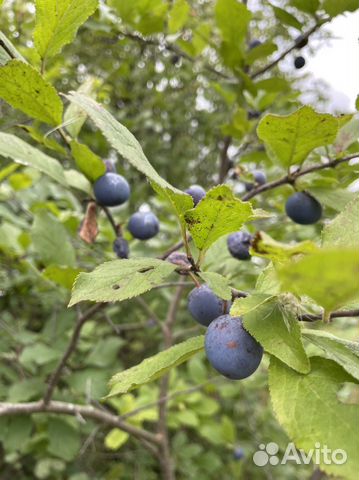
[
  {"x": 16, "y": 433},
  {"x": 20, "y": 152},
  {"x": 218, "y": 283},
  {"x": 8, "y": 51},
  {"x": 290, "y": 138},
  {"x": 217, "y": 214},
  {"x": 278, "y": 333},
  {"x": 154, "y": 367},
  {"x": 7, "y": 171},
  {"x": 286, "y": 18},
  {"x": 57, "y": 23},
  {"x": 232, "y": 19},
  {"x": 265, "y": 246},
  {"x": 334, "y": 8},
  {"x": 63, "y": 276},
  {"x": 145, "y": 16},
  {"x": 335, "y": 198},
  {"x": 308, "y": 6},
  {"x": 88, "y": 162},
  {"x": 263, "y": 50},
  {"x": 126, "y": 144},
  {"x": 327, "y": 276},
  {"x": 39, "y": 137},
  {"x": 247, "y": 304},
  {"x": 344, "y": 229},
  {"x": 347, "y": 135},
  {"x": 119, "y": 280},
  {"x": 74, "y": 116},
  {"x": 64, "y": 440},
  {"x": 24, "y": 88},
  {"x": 77, "y": 180},
  {"x": 178, "y": 16},
  {"x": 51, "y": 241},
  {"x": 309, "y": 410},
  {"x": 115, "y": 439},
  {"x": 343, "y": 352}
]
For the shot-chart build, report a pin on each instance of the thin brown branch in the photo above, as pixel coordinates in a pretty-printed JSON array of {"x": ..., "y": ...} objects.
[
  {"x": 80, "y": 411},
  {"x": 170, "y": 47},
  {"x": 286, "y": 52},
  {"x": 339, "y": 314},
  {"x": 166, "y": 460},
  {"x": 172, "y": 249},
  {"x": 291, "y": 178},
  {"x": 110, "y": 218},
  {"x": 55, "y": 377},
  {"x": 171, "y": 396}
]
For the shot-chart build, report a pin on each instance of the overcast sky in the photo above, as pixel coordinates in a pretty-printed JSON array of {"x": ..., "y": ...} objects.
[{"x": 338, "y": 62}]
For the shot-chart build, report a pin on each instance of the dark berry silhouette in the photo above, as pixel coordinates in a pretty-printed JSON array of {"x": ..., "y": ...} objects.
[
  {"x": 238, "y": 453},
  {"x": 259, "y": 177},
  {"x": 205, "y": 306},
  {"x": 302, "y": 208},
  {"x": 253, "y": 114},
  {"x": 196, "y": 192},
  {"x": 301, "y": 42},
  {"x": 111, "y": 189},
  {"x": 175, "y": 59},
  {"x": 143, "y": 225},
  {"x": 230, "y": 349},
  {"x": 254, "y": 43},
  {"x": 299, "y": 62},
  {"x": 120, "y": 247},
  {"x": 238, "y": 244}
]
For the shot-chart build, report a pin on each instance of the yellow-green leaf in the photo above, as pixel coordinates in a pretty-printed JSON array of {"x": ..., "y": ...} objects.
[
  {"x": 154, "y": 367},
  {"x": 57, "y": 23},
  {"x": 329, "y": 277},
  {"x": 308, "y": 408},
  {"x": 344, "y": 229},
  {"x": 24, "y": 88},
  {"x": 265, "y": 246},
  {"x": 119, "y": 280},
  {"x": 127, "y": 145},
  {"x": 217, "y": 214},
  {"x": 277, "y": 331},
  {"x": 23, "y": 153},
  {"x": 178, "y": 15},
  {"x": 88, "y": 162},
  {"x": 290, "y": 138}
]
